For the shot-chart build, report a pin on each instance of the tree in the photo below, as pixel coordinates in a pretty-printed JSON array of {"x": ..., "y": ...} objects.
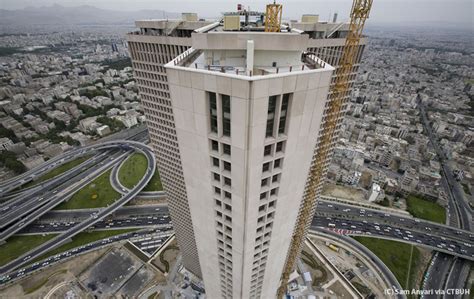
[
  {"x": 4, "y": 132},
  {"x": 410, "y": 139},
  {"x": 113, "y": 124},
  {"x": 10, "y": 161}
]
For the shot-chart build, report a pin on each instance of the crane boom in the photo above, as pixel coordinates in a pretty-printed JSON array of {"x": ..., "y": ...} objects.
[{"x": 318, "y": 169}]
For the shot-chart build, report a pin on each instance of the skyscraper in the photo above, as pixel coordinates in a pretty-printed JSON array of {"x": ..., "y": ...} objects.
[
  {"x": 158, "y": 42},
  {"x": 234, "y": 122}
]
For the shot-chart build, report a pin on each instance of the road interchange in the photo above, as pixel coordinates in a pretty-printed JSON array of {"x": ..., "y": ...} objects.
[
  {"x": 96, "y": 217},
  {"x": 456, "y": 237}
]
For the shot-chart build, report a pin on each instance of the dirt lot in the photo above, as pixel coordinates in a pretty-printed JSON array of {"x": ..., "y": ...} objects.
[
  {"x": 343, "y": 192},
  {"x": 166, "y": 259}
]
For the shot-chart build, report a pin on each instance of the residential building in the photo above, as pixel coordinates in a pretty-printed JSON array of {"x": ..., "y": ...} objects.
[
  {"x": 5, "y": 143},
  {"x": 375, "y": 193}
]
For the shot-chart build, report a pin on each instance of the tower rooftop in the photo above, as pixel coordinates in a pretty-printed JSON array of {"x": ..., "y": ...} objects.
[{"x": 270, "y": 53}]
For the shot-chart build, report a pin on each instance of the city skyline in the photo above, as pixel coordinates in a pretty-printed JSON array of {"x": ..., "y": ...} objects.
[
  {"x": 245, "y": 158},
  {"x": 457, "y": 12}
]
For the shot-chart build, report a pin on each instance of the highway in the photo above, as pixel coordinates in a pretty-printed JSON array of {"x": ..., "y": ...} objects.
[
  {"x": 30, "y": 208},
  {"x": 14, "y": 199},
  {"x": 140, "y": 238},
  {"x": 377, "y": 263},
  {"x": 98, "y": 216},
  {"x": 459, "y": 215},
  {"x": 390, "y": 232},
  {"x": 350, "y": 220},
  {"x": 139, "y": 216},
  {"x": 123, "y": 212},
  {"x": 115, "y": 183},
  {"x": 138, "y": 221},
  {"x": 341, "y": 219},
  {"x": 343, "y": 211}
]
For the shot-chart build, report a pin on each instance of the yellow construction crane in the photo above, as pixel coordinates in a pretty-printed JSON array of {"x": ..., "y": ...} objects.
[
  {"x": 340, "y": 89},
  {"x": 273, "y": 17}
]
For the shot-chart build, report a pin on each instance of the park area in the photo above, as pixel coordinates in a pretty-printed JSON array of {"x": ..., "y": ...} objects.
[
  {"x": 133, "y": 169},
  {"x": 402, "y": 259},
  {"x": 99, "y": 193},
  {"x": 426, "y": 209}
]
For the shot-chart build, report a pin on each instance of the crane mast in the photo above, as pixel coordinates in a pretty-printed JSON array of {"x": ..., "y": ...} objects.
[
  {"x": 273, "y": 17},
  {"x": 334, "y": 110}
]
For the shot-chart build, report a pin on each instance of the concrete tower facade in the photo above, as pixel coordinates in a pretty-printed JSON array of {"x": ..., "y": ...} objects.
[
  {"x": 157, "y": 43},
  {"x": 246, "y": 106},
  {"x": 235, "y": 122}
]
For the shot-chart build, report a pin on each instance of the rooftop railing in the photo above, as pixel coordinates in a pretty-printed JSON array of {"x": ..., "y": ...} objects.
[{"x": 309, "y": 62}]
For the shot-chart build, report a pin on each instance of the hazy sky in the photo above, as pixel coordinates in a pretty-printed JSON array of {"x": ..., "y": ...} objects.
[{"x": 387, "y": 11}]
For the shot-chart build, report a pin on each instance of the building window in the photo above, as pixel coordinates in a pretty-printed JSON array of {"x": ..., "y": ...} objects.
[
  {"x": 227, "y": 181},
  {"x": 226, "y": 115},
  {"x": 275, "y": 178},
  {"x": 267, "y": 150},
  {"x": 279, "y": 146},
  {"x": 227, "y": 195},
  {"x": 226, "y": 149},
  {"x": 216, "y": 177},
  {"x": 213, "y": 111},
  {"x": 215, "y": 145},
  {"x": 273, "y": 191},
  {"x": 215, "y": 162},
  {"x": 283, "y": 113},
  {"x": 227, "y": 166},
  {"x": 271, "y": 116},
  {"x": 217, "y": 190},
  {"x": 263, "y": 195},
  {"x": 277, "y": 163},
  {"x": 264, "y": 182},
  {"x": 266, "y": 167}
]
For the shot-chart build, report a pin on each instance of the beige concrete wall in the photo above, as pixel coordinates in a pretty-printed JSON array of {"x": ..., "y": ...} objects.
[
  {"x": 249, "y": 105},
  {"x": 238, "y": 40}
]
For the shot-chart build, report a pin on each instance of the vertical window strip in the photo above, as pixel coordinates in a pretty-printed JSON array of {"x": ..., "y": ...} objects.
[
  {"x": 271, "y": 116},
  {"x": 283, "y": 113},
  {"x": 225, "y": 115},
  {"x": 213, "y": 111}
]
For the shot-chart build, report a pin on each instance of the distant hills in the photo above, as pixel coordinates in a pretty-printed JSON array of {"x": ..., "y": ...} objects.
[{"x": 79, "y": 15}]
